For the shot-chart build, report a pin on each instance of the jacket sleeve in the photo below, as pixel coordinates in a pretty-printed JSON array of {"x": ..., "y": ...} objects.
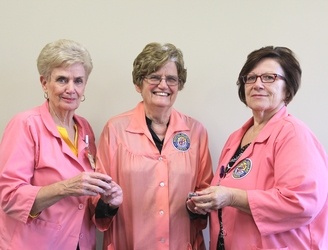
[
  {"x": 18, "y": 155},
  {"x": 300, "y": 183}
]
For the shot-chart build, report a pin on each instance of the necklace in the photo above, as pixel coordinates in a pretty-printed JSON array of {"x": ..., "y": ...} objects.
[
  {"x": 62, "y": 123},
  {"x": 236, "y": 156}
]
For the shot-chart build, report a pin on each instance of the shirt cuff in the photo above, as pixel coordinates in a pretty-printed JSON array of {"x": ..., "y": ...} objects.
[{"x": 103, "y": 210}]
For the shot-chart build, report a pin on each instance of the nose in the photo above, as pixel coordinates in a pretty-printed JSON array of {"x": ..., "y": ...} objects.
[
  {"x": 70, "y": 87},
  {"x": 258, "y": 78},
  {"x": 258, "y": 83},
  {"x": 162, "y": 81}
]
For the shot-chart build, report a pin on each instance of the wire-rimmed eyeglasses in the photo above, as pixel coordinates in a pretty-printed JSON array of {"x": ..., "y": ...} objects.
[
  {"x": 156, "y": 79},
  {"x": 265, "y": 78}
]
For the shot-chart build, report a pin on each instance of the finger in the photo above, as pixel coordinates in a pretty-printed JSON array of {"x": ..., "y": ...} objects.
[
  {"x": 90, "y": 191},
  {"x": 100, "y": 176},
  {"x": 103, "y": 184},
  {"x": 190, "y": 203},
  {"x": 97, "y": 187},
  {"x": 114, "y": 192},
  {"x": 208, "y": 210},
  {"x": 200, "y": 198},
  {"x": 200, "y": 210}
]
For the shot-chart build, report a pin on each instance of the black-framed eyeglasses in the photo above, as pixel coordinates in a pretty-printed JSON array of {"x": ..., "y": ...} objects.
[
  {"x": 265, "y": 78},
  {"x": 157, "y": 79}
]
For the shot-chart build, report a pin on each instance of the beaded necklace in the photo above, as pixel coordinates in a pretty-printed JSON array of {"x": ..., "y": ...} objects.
[{"x": 235, "y": 157}]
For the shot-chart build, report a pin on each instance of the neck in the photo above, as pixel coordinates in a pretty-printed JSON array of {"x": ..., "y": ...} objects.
[
  {"x": 64, "y": 122},
  {"x": 159, "y": 129},
  {"x": 252, "y": 132},
  {"x": 261, "y": 117},
  {"x": 159, "y": 117}
]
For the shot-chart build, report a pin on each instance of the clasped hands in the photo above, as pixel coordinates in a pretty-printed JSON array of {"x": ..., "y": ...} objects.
[
  {"x": 94, "y": 183},
  {"x": 209, "y": 199}
]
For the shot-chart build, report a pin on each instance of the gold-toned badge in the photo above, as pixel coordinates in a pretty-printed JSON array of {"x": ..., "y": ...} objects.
[{"x": 242, "y": 169}]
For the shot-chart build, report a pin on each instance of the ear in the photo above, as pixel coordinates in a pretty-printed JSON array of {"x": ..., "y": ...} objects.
[
  {"x": 138, "y": 89},
  {"x": 43, "y": 82}
]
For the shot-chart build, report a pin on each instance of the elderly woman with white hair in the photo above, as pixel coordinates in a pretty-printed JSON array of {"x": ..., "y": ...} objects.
[{"x": 50, "y": 194}]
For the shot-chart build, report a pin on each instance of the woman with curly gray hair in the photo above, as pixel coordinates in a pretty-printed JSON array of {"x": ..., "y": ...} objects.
[{"x": 157, "y": 155}]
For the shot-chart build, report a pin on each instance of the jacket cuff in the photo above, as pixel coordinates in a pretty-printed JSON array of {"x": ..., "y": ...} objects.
[{"x": 103, "y": 210}]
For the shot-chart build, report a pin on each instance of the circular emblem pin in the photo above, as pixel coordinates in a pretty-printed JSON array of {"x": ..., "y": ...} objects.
[
  {"x": 181, "y": 142},
  {"x": 242, "y": 169}
]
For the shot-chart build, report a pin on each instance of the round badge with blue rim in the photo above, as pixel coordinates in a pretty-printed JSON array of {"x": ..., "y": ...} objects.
[{"x": 181, "y": 141}]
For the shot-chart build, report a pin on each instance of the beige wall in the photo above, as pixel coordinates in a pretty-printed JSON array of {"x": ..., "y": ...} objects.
[{"x": 215, "y": 36}]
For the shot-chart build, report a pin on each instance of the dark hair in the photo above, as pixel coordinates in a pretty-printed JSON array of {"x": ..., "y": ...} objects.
[
  {"x": 153, "y": 57},
  {"x": 288, "y": 62}
]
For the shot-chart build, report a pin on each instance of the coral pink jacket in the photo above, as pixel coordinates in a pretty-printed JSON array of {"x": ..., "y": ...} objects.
[
  {"x": 153, "y": 214},
  {"x": 32, "y": 154},
  {"x": 285, "y": 173}
]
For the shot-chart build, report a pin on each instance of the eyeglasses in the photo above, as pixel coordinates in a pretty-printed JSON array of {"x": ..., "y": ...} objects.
[
  {"x": 157, "y": 79},
  {"x": 265, "y": 78}
]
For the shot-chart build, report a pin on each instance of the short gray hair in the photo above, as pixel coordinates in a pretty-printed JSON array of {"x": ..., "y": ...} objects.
[{"x": 64, "y": 53}]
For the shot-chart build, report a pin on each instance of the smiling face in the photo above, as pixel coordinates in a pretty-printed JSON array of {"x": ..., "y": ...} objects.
[
  {"x": 266, "y": 98},
  {"x": 65, "y": 87},
  {"x": 161, "y": 95}
]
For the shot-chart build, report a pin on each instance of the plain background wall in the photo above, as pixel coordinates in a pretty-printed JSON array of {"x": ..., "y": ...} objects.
[{"x": 215, "y": 37}]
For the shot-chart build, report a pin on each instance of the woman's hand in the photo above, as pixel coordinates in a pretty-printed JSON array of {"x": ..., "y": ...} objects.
[
  {"x": 216, "y": 197},
  {"x": 211, "y": 198},
  {"x": 113, "y": 196},
  {"x": 86, "y": 183},
  {"x": 193, "y": 208}
]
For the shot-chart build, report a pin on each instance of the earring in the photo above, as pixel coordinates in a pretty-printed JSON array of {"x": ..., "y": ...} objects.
[
  {"x": 83, "y": 98},
  {"x": 45, "y": 95}
]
